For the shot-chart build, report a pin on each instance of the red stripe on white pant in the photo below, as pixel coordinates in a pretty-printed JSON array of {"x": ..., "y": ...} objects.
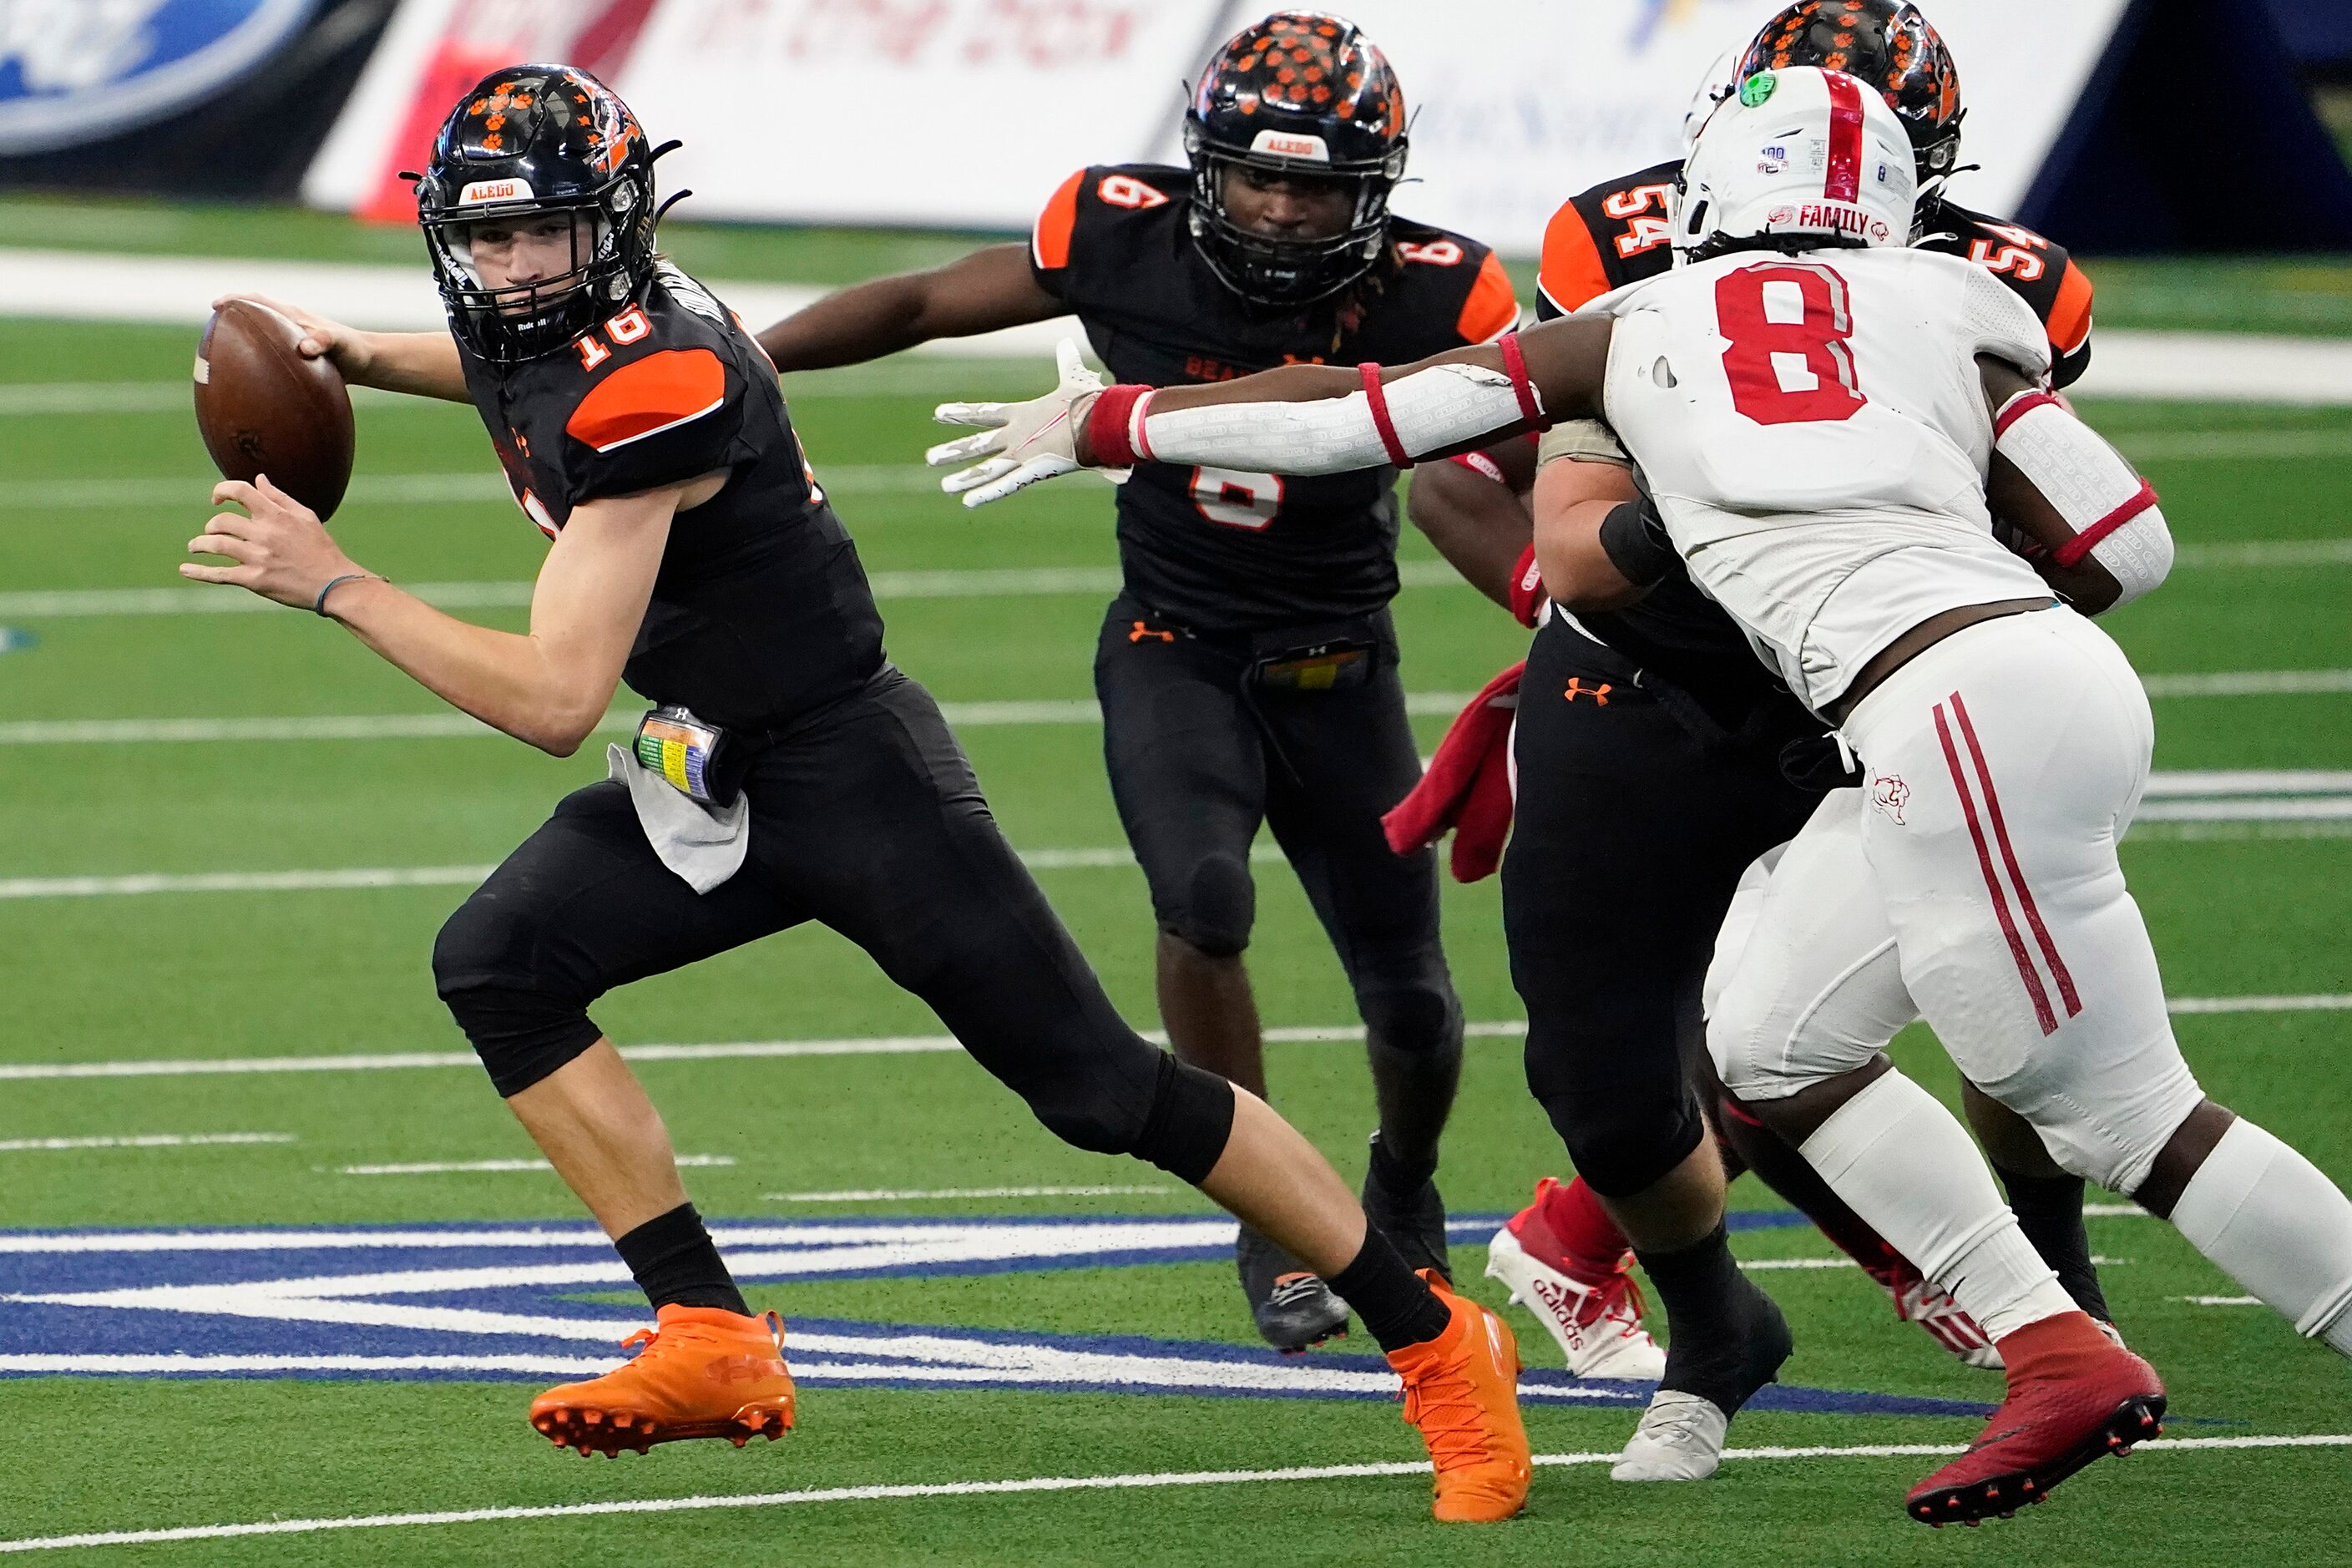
[{"x": 2034, "y": 988}]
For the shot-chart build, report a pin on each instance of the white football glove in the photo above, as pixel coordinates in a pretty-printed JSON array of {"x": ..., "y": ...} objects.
[{"x": 1020, "y": 444}]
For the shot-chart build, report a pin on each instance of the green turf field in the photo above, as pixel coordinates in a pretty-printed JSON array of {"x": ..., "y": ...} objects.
[{"x": 232, "y": 836}]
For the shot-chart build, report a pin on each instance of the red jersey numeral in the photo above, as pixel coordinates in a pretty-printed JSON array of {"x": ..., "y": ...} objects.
[
  {"x": 1764, "y": 337},
  {"x": 627, "y": 327}
]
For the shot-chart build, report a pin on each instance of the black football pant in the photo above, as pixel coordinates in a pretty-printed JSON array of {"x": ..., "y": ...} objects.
[
  {"x": 1198, "y": 760},
  {"x": 866, "y": 816},
  {"x": 1633, "y": 826}
]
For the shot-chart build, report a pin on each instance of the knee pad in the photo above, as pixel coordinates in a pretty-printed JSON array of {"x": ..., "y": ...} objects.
[
  {"x": 1218, "y": 906},
  {"x": 1622, "y": 1143},
  {"x": 522, "y": 1021},
  {"x": 1180, "y": 1123},
  {"x": 1413, "y": 1011}
]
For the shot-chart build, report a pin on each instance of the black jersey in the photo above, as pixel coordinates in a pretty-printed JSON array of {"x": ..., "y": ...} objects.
[
  {"x": 1616, "y": 234},
  {"x": 761, "y": 609},
  {"x": 1214, "y": 549}
]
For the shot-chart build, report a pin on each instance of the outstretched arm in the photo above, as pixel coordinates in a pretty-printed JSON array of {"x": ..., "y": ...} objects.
[
  {"x": 424, "y": 364},
  {"x": 1299, "y": 419},
  {"x": 981, "y": 292},
  {"x": 549, "y": 686}
]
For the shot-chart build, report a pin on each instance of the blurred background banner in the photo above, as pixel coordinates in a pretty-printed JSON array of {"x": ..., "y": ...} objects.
[
  {"x": 172, "y": 95},
  {"x": 2106, "y": 122}
]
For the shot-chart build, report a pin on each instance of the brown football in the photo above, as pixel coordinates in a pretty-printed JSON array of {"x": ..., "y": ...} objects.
[{"x": 265, "y": 409}]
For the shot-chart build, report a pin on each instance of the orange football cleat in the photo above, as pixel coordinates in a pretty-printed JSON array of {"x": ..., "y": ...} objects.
[
  {"x": 702, "y": 1371},
  {"x": 1461, "y": 1390}
]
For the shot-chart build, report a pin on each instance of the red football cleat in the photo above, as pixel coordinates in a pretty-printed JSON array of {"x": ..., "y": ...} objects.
[{"x": 2073, "y": 1397}]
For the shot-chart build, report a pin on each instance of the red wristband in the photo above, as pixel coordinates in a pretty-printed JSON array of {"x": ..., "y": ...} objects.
[
  {"x": 1479, "y": 463},
  {"x": 1377, "y": 397},
  {"x": 2082, "y": 545},
  {"x": 1527, "y": 588},
  {"x": 1111, "y": 429},
  {"x": 1515, "y": 365}
]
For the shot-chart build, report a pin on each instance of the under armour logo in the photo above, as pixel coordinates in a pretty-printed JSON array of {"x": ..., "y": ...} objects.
[
  {"x": 1576, "y": 689},
  {"x": 1888, "y": 793},
  {"x": 1143, "y": 629}
]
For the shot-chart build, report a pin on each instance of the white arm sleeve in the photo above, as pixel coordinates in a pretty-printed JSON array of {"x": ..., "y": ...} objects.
[
  {"x": 2112, "y": 510},
  {"x": 1430, "y": 410}
]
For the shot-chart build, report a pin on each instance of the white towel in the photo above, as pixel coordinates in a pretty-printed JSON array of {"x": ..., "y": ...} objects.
[{"x": 703, "y": 846}]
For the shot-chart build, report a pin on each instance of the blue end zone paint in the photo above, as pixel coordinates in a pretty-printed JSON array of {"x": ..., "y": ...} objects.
[{"x": 280, "y": 1301}]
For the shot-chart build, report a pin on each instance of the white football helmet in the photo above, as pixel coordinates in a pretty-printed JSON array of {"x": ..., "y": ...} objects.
[
  {"x": 1722, "y": 79},
  {"x": 1803, "y": 153}
]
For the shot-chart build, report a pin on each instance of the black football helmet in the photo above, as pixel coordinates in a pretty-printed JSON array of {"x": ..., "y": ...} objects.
[
  {"x": 538, "y": 138},
  {"x": 1886, "y": 43},
  {"x": 1304, "y": 94}
]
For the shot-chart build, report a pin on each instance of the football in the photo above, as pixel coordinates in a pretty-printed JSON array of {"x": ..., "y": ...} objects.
[{"x": 265, "y": 409}]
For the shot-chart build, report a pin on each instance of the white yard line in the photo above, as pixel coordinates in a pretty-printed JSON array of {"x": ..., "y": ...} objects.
[
  {"x": 1144, "y": 1481},
  {"x": 2247, "y": 683},
  {"x": 900, "y": 1194},
  {"x": 869, "y": 1046},
  {"x": 448, "y": 724},
  {"x": 142, "y": 1141},
  {"x": 2297, "y": 800},
  {"x": 471, "y": 1167},
  {"x": 985, "y": 583}
]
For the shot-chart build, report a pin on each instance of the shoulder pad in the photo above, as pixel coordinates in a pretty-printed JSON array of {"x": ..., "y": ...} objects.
[{"x": 667, "y": 388}]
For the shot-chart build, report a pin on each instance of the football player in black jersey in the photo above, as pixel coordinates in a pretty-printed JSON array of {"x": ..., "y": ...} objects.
[
  {"x": 1247, "y": 670},
  {"x": 788, "y": 773},
  {"x": 1630, "y": 856}
]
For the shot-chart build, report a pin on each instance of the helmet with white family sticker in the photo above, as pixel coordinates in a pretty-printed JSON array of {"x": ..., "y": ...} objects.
[
  {"x": 1800, "y": 159},
  {"x": 525, "y": 142}
]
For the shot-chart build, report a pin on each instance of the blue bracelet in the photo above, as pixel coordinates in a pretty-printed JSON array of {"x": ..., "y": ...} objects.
[{"x": 319, "y": 604}]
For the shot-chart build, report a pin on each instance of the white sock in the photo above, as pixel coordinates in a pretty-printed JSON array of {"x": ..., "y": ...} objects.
[
  {"x": 1905, "y": 1164},
  {"x": 2269, "y": 1219}
]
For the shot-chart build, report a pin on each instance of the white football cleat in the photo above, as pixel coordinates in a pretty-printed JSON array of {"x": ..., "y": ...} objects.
[
  {"x": 1598, "y": 1328},
  {"x": 1680, "y": 1439}
]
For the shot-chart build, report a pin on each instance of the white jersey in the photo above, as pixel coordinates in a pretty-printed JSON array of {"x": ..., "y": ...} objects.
[{"x": 1814, "y": 432}]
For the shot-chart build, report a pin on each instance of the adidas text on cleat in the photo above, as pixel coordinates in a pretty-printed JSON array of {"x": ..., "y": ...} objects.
[
  {"x": 700, "y": 1372},
  {"x": 1680, "y": 1439},
  {"x": 1461, "y": 1391},
  {"x": 2084, "y": 1402},
  {"x": 1919, "y": 1300},
  {"x": 1597, "y": 1327},
  {"x": 1294, "y": 1309}
]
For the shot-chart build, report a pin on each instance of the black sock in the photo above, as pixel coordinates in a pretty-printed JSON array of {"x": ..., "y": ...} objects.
[
  {"x": 2049, "y": 1211},
  {"x": 1729, "y": 1339},
  {"x": 677, "y": 1264},
  {"x": 1396, "y": 1178},
  {"x": 1397, "y": 1307}
]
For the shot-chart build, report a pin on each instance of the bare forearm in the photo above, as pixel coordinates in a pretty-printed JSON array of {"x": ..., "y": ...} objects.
[
  {"x": 1478, "y": 525},
  {"x": 507, "y": 680},
  {"x": 850, "y": 327},
  {"x": 422, "y": 364},
  {"x": 985, "y": 291}
]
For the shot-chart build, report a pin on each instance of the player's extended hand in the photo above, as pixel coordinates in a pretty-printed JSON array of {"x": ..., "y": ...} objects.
[
  {"x": 1020, "y": 444},
  {"x": 281, "y": 550},
  {"x": 349, "y": 349}
]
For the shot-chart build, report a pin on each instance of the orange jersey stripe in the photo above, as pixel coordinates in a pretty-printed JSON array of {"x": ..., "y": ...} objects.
[
  {"x": 1050, "y": 246},
  {"x": 1492, "y": 308},
  {"x": 1572, "y": 272},
  {"x": 643, "y": 396},
  {"x": 2070, "y": 313}
]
